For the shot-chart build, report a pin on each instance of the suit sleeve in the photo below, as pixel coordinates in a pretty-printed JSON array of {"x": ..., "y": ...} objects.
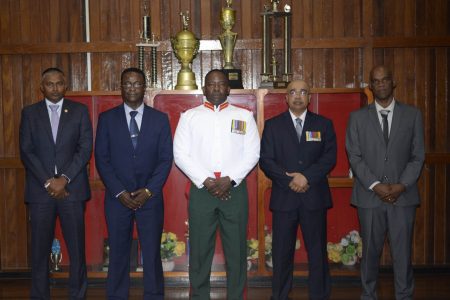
[
  {"x": 318, "y": 170},
  {"x": 165, "y": 159},
  {"x": 412, "y": 170},
  {"x": 84, "y": 147},
  {"x": 268, "y": 161},
  {"x": 355, "y": 156},
  {"x": 103, "y": 158},
  {"x": 27, "y": 150}
]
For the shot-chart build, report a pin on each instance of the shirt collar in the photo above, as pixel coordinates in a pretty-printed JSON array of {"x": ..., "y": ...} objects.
[
  {"x": 59, "y": 103},
  {"x": 389, "y": 108},
  {"x": 302, "y": 116},
  {"x": 209, "y": 105},
  {"x": 140, "y": 109}
]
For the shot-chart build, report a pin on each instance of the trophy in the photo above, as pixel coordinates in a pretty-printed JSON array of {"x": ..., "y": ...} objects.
[
  {"x": 228, "y": 41},
  {"x": 185, "y": 47},
  {"x": 56, "y": 255},
  {"x": 148, "y": 40},
  {"x": 271, "y": 79},
  {"x": 105, "y": 255}
]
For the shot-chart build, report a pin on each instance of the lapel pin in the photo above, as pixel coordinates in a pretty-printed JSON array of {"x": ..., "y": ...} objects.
[{"x": 66, "y": 110}]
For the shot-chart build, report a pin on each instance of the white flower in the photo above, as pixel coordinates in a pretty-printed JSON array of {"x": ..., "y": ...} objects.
[
  {"x": 344, "y": 242},
  {"x": 355, "y": 239}
]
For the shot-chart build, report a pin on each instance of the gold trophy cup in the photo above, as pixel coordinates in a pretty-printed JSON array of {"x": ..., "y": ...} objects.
[
  {"x": 228, "y": 41},
  {"x": 185, "y": 47}
]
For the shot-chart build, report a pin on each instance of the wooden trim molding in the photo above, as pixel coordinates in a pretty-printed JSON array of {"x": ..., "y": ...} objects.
[{"x": 214, "y": 45}]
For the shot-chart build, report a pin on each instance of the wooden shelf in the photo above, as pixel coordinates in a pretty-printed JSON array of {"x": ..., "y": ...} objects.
[{"x": 300, "y": 270}]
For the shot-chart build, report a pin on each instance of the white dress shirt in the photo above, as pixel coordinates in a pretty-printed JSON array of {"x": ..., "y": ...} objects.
[
  {"x": 212, "y": 139},
  {"x": 138, "y": 117}
]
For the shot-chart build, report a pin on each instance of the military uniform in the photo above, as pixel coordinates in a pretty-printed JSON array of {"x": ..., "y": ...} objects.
[{"x": 217, "y": 141}]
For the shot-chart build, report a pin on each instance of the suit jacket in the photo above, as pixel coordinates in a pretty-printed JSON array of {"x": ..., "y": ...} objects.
[
  {"x": 400, "y": 162},
  {"x": 281, "y": 152},
  {"x": 69, "y": 154},
  {"x": 122, "y": 167}
]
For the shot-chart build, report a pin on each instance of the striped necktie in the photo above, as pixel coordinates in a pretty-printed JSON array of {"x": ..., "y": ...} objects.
[
  {"x": 298, "y": 128},
  {"x": 384, "y": 115},
  {"x": 134, "y": 129}
]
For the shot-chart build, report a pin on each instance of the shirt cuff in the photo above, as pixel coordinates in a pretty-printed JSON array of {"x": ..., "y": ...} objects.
[
  {"x": 118, "y": 195},
  {"x": 66, "y": 177},
  {"x": 373, "y": 184}
]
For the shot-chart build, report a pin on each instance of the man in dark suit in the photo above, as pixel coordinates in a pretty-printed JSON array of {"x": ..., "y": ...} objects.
[
  {"x": 55, "y": 146},
  {"x": 385, "y": 147},
  {"x": 133, "y": 153},
  {"x": 298, "y": 150}
]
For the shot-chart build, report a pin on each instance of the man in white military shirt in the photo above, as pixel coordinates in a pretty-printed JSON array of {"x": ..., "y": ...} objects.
[{"x": 216, "y": 145}]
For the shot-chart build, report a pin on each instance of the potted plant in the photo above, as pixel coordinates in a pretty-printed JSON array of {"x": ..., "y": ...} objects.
[{"x": 170, "y": 248}]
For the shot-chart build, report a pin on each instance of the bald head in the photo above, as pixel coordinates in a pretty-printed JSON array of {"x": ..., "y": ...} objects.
[
  {"x": 298, "y": 96},
  {"x": 382, "y": 85},
  {"x": 297, "y": 84},
  {"x": 380, "y": 68}
]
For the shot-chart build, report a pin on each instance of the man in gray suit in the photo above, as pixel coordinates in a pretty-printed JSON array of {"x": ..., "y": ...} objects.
[{"x": 385, "y": 147}]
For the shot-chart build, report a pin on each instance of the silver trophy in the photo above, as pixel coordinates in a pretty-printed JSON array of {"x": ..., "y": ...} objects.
[{"x": 56, "y": 256}]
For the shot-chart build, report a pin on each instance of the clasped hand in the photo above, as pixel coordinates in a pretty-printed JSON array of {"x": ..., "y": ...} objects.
[
  {"x": 219, "y": 187},
  {"x": 56, "y": 188},
  {"x": 388, "y": 193},
  {"x": 299, "y": 183},
  {"x": 134, "y": 200}
]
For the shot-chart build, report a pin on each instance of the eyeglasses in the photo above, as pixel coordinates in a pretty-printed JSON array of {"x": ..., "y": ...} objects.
[
  {"x": 137, "y": 85},
  {"x": 301, "y": 92}
]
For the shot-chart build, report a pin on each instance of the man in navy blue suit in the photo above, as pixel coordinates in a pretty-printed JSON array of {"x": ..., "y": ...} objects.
[
  {"x": 298, "y": 150},
  {"x": 55, "y": 146},
  {"x": 133, "y": 153}
]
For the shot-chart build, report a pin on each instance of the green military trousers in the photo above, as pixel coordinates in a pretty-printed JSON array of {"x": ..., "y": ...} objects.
[{"x": 206, "y": 213}]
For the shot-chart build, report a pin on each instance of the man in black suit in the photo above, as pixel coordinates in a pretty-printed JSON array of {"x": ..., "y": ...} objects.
[
  {"x": 298, "y": 150},
  {"x": 55, "y": 146},
  {"x": 385, "y": 147},
  {"x": 133, "y": 155}
]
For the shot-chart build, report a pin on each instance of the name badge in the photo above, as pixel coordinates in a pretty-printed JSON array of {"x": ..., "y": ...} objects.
[
  {"x": 313, "y": 136},
  {"x": 238, "y": 126}
]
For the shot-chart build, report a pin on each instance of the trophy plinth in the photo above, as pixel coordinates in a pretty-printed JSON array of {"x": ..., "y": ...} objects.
[
  {"x": 228, "y": 41},
  {"x": 234, "y": 78},
  {"x": 185, "y": 47}
]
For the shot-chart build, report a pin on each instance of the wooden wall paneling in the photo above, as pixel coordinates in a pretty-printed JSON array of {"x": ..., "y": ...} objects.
[
  {"x": 15, "y": 22},
  {"x": 2, "y": 114},
  {"x": 439, "y": 216},
  {"x": 214, "y": 16},
  {"x": 255, "y": 67},
  {"x": 308, "y": 65},
  {"x": 419, "y": 244},
  {"x": 77, "y": 72},
  {"x": 257, "y": 7},
  {"x": 8, "y": 106},
  {"x": 441, "y": 99},
  {"x": 4, "y": 23},
  {"x": 94, "y": 22},
  {"x": 205, "y": 19},
  {"x": 318, "y": 68},
  {"x": 245, "y": 16},
  {"x": 156, "y": 14},
  {"x": 368, "y": 31},
  {"x": 432, "y": 103},
  {"x": 21, "y": 228},
  {"x": 338, "y": 18}
]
